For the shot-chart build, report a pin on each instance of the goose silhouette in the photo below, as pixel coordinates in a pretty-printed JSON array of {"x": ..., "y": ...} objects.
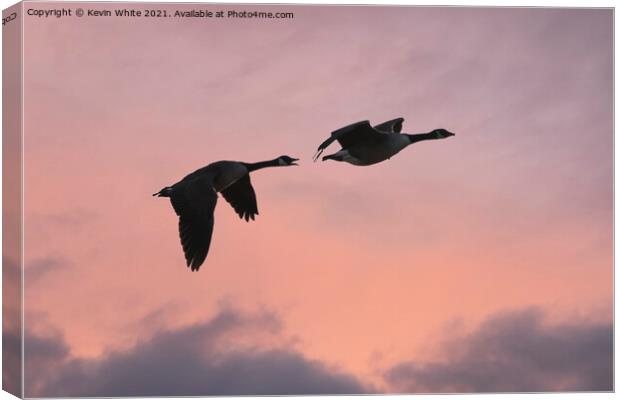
[
  {"x": 195, "y": 196},
  {"x": 363, "y": 144}
]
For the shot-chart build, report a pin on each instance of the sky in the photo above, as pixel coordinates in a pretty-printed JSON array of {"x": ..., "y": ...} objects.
[{"x": 478, "y": 263}]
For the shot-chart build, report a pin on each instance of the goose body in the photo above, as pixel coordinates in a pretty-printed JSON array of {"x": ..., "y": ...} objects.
[
  {"x": 363, "y": 144},
  {"x": 195, "y": 196}
]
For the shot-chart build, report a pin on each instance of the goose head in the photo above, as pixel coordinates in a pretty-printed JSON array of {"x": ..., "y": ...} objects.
[
  {"x": 286, "y": 161},
  {"x": 441, "y": 133}
]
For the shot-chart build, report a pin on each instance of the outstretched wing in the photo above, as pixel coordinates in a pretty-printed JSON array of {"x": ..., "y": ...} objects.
[
  {"x": 194, "y": 202},
  {"x": 350, "y": 135},
  {"x": 394, "y": 125},
  {"x": 242, "y": 198}
]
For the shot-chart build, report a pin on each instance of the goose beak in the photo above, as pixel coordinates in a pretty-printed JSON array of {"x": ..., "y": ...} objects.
[
  {"x": 451, "y": 134},
  {"x": 293, "y": 162}
]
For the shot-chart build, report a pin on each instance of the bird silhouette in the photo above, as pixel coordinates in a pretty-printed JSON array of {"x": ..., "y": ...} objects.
[
  {"x": 194, "y": 198},
  {"x": 363, "y": 144}
]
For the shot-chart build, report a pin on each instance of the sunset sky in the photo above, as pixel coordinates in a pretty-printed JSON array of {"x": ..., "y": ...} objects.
[{"x": 478, "y": 263}]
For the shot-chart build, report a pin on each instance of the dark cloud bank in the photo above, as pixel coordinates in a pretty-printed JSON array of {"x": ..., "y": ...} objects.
[
  {"x": 511, "y": 352},
  {"x": 189, "y": 361},
  {"x": 516, "y": 352},
  {"x": 11, "y": 326}
]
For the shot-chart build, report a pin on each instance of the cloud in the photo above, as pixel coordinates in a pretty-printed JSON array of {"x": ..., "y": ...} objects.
[
  {"x": 11, "y": 294},
  {"x": 40, "y": 267},
  {"x": 509, "y": 352},
  {"x": 516, "y": 352},
  {"x": 11, "y": 361},
  {"x": 199, "y": 360},
  {"x": 11, "y": 326},
  {"x": 41, "y": 353}
]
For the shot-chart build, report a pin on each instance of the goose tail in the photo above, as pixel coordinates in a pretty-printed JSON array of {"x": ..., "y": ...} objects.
[{"x": 165, "y": 192}]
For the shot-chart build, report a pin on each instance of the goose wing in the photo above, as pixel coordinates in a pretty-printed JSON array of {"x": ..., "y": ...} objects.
[
  {"x": 194, "y": 202},
  {"x": 350, "y": 135},
  {"x": 242, "y": 198},
  {"x": 394, "y": 125}
]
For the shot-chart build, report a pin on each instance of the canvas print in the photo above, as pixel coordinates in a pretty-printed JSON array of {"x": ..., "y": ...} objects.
[{"x": 216, "y": 199}]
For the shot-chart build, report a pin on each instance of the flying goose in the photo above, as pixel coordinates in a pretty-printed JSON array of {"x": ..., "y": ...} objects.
[
  {"x": 364, "y": 145},
  {"x": 194, "y": 197}
]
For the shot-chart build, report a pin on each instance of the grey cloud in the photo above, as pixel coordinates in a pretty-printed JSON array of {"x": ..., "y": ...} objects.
[
  {"x": 41, "y": 353},
  {"x": 193, "y": 361},
  {"x": 510, "y": 352},
  {"x": 11, "y": 326},
  {"x": 517, "y": 352},
  {"x": 11, "y": 292},
  {"x": 41, "y": 267},
  {"x": 11, "y": 361}
]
